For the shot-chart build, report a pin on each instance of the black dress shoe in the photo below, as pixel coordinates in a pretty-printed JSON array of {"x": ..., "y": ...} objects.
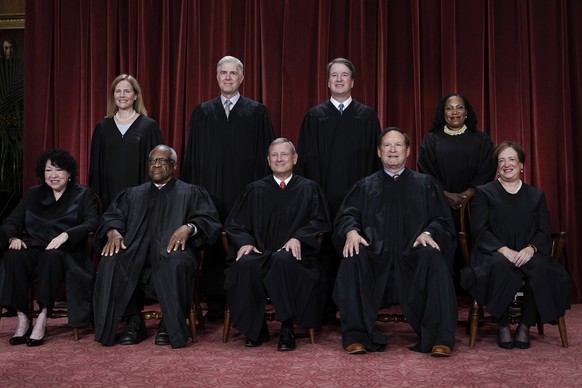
[
  {"x": 263, "y": 337},
  {"x": 36, "y": 342},
  {"x": 286, "y": 340},
  {"x": 162, "y": 337},
  {"x": 133, "y": 334},
  {"x": 21, "y": 340}
]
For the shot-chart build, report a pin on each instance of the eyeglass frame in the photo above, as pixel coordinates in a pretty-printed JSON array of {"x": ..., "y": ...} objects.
[{"x": 161, "y": 161}]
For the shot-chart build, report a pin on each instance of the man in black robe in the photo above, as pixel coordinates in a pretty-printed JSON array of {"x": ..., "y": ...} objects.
[
  {"x": 396, "y": 235},
  {"x": 337, "y": 147},
  {"x": 273, "y": 229},
  {"x": 151, "y": 234},
  {"x": 225, "y": 151}
]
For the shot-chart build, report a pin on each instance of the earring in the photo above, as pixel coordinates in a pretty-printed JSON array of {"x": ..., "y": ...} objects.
[{"x": 522, "y": 170}]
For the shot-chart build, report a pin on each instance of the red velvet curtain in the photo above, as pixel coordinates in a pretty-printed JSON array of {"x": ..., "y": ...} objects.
[{"x": 517, "y": 61}]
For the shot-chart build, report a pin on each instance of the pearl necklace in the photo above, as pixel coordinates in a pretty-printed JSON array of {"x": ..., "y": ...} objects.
[
  {"x": 509, "y": 191},
  {"x": 450, "y": 132},
  {"x": 122, "y": 119}
]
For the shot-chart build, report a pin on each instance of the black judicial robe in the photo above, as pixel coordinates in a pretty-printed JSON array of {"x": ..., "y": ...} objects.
[
  {"x": 390, "y": 215},
  {"x": 267, "y": 216},
  {"x": 499, "y": 219},
  {"x": 457, "y": 162},
  {"x": 43, "y": 218},
  {"x": 146, "y": 218},
  {"x": 119, "y": 161},
  {"x": 224, "y": 155},
  {"x": 336, "y": 150}
]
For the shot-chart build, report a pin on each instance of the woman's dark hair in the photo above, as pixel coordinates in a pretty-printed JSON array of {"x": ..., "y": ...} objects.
[
  {"x": 508, "y": 144},
  {"x": 59, "y": 158},
  {"x": 438, "y": 122}
]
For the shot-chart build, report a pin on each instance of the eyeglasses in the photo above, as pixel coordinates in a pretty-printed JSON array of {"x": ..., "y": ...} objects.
[
  {"x": 162, "y": 161},
  {"x": 451, "y": 108}
]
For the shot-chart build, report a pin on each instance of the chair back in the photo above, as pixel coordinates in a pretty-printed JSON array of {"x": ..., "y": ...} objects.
[
  {"x": 558, "y": 242},
  {"x": 465, "y": 220}
]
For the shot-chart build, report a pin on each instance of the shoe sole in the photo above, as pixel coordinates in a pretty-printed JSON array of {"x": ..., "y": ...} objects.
[
  {"x": 441, "y": 354},
  {"x": 358, "y": 351}
]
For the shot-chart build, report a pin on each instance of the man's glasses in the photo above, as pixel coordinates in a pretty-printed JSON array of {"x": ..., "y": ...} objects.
[{"x": 162, "y": 161}]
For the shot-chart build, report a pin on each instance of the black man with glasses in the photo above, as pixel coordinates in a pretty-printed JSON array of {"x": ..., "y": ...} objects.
[{"x": 149, "y": 236}]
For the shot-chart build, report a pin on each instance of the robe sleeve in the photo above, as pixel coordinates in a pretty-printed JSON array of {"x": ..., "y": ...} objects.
[
  {"x": 307, "y": 146},
  {"x": 264, "y": 136},
  {"x": 427, "y": 159},
  {"x": 95, "y": 159},
  {"x": 239, "y": 224},
  {"x": 487, "y": 168},
  {"x": 13, "y": 225},
  {"x": 318, "y": 221},
  {"x": 114, "y": 217},
  {"x": 440, "y": 224},
  {"x": 349, "y": 217},
  {"x": 204, "y": 215},
  {"x": 542, "y": 238},
  {"x": 484, "y": 236},
  {"x": 88, "y": 220}
]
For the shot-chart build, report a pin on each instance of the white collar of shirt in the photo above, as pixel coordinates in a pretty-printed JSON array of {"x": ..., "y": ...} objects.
[
  {"x": 336, "y": 102},
  {"x": 397, "y": 173},
  {"x": 233, "y": 99},
  {"x": 279, "y": 180},
  {"x": 160, "y": 185}
]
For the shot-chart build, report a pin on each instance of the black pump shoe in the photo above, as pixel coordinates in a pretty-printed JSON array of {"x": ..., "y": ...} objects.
[
  {"x": 505, "y": 345},
  {"x": 21, "y": 340},
  {"x": 507, "y": 332},
  {"x": 36, "y": 342},
  {"x": 521, "y": 344}
]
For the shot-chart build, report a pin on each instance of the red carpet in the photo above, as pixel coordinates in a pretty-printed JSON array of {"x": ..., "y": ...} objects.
[{"x": 64, "y": 362}]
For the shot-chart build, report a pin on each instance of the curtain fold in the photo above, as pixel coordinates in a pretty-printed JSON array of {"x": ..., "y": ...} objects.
[{"x": 518, "y": 62}]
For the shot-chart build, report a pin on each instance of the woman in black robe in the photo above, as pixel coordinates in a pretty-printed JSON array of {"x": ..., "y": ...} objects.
[
  {"x": 457, "y": 155},
  {"x": 122, "y": 141},
  {"x": 455, "y": 152},
  {"x": 45, "y": 237},
  {"x": 511, "y": 226}
]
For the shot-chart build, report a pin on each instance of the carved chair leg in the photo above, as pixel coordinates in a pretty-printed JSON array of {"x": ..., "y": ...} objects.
[
  {"x": 192, "y": 322},
  {"x": 540, "y": 326},
  {"x": 311, "y": 332},
  {"x": 562, "y": 329},
  {"x": 473, "y": 323},
  {"x": 76, "y": 333},
  {"x": 227, "y": 323}
]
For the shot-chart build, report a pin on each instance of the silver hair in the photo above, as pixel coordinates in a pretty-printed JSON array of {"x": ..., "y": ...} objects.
[
  {"x": 282, "y": 140},
  {"x": 230, "y": 59}
]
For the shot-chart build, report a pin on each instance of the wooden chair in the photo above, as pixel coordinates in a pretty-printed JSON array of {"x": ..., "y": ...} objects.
[
  {"x": 269, "y": 309},
  {"x": 476, "y": 313}
]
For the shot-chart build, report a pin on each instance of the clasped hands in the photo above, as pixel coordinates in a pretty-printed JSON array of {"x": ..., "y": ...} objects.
[
  {"x": 518, "y": 258},
  {"x": 455, "y": 200},
  {"x": 293, "y": 246},
  {"x": 115, "y": 241},
  {"x": 354, "y": 239}
]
